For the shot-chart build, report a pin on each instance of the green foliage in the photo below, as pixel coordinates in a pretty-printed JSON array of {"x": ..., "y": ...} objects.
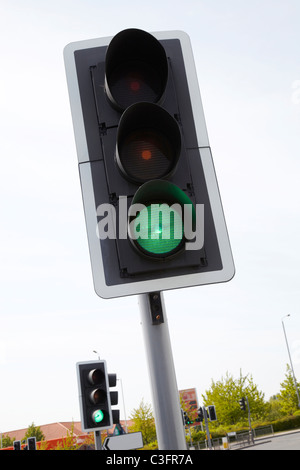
[
  {"x": 197, "y": 435},
  {"x": 7, "y": 441},
  {"x": 288, "y": 397},
  {"x": 286, "y": 423},
  {"x": 225, "y": 395},
  {"x": 152, "y": 446},
  {"x": 275, "y": 411},
  {"x": 34, "y": 431},
  {"x": 144, "y": 422},
  {"x": 69, "y": 442}
]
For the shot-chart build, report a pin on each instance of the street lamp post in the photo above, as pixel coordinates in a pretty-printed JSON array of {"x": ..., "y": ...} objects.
[
  {"x": 287, "y": 345},
  {"x": 126, "y": 428},
  {"x": 96, "y": 352}
]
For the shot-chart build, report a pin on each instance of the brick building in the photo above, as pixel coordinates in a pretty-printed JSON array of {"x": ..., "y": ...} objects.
[{"x": 59, "y": 430}]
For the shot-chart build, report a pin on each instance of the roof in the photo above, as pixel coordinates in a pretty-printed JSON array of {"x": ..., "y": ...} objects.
[
  {"x": 55, "y": 430},
  {"x": 50, "y": 431}
]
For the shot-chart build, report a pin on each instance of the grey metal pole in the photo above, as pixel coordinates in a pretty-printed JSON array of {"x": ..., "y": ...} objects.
[
  {"x": 120, "y": 380},
  {"x": 165, "y": 395},
  {"x": 98, "y": 443},
  {"x": 249, "y": 421},
  {"x": 294, "y": 377},
  {"x": 207, "y": 428}
]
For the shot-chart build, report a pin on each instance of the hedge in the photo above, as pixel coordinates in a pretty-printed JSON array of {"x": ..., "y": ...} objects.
[
  {"x": 287, "y": 423},
  {"x": 283, "y": 424}
]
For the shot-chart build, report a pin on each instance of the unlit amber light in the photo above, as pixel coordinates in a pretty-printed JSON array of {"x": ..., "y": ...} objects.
[{"x": 146, "y": 154}]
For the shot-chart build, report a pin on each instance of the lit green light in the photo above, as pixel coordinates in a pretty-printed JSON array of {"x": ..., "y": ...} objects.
[
  {"x": 158, "y": 229},
  {"x": 98, "y": 416}
]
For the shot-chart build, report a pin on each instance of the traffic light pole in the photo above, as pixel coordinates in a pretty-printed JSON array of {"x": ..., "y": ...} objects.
[
  {"x": 97, "y": 437},
  {"x": 166, "y": 404},
  {"x": 249, "y": 421},
  {"x": 207, "y": 428}
]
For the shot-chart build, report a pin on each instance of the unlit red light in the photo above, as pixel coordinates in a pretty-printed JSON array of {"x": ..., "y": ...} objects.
[
  {"x": 146, "y": 154},
  {"x": 135, "y": 85}
]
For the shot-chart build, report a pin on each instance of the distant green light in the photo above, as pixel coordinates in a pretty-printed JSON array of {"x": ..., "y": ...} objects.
[{"x": 98, "y": 416}]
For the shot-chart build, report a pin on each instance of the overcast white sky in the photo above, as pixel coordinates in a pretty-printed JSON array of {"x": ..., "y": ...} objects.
[{"x": 248, "y": 63}]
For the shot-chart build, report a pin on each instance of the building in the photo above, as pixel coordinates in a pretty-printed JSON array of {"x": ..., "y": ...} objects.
[{"x": 55, "y": 432}]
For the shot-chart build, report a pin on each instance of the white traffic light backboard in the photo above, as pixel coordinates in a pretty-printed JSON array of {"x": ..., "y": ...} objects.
[{"x": 119, "y": 268}]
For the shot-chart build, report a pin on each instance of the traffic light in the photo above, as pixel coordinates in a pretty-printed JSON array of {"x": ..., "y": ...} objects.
[
  {"x": 212, "y": 413},
  {"x": 31, "y": 443},
  {"x": 187, "y": 420},
  {"x": 200, "y": 416},
  {"x": 17, "y": 445},
  {"x": 242, "y": 403},
  {"x": 153, "y": 211},
  {"x": 94, "y": 396}
]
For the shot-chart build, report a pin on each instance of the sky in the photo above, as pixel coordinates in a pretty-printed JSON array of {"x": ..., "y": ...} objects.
[{"x": 248, "y": 65}]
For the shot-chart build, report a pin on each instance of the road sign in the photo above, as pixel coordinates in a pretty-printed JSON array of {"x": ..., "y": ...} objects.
[{"x": 124, "y": 442}]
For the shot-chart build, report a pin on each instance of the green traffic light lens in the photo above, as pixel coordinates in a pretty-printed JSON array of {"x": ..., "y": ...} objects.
[
  {"x": 157, "y": 216},
  {"x": 159, "y": 229},
  {"x": 98, "y": 416}
]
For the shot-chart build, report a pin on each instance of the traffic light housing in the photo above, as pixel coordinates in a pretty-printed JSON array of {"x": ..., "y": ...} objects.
[
  {"x": 200, "y": 416},
  {"x": 17, "y": 445},
  {"x": 187, "y": 420},
  {"x": 153, "y": 211},
  {"x": 95, "y": 397},
  {"x": 242, "y": 403},
  {"x": 31, "y": 443},
  {"x": 212, "y": 413}
]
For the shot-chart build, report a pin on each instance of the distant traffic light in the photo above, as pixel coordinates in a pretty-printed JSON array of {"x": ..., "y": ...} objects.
[
  {"x": 31, "y": 443},
  {"x": 94, "y": 396},
  {"x": 17, "y": 445},
  {"x": 200, "y": 416},
  {"x": 146, "y": 170},
  {"x": 187, "y": 420},
  {"x": 212, "y": 413},
  {"x": 242, "y": 403}
]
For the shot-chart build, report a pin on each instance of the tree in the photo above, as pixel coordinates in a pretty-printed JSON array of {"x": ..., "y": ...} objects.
[
  {"x": 144, "y": 422},
  {"x": 7, "y": 441},
  {"x": 288, "y": 397},
  {"x": 34, "y": 431},
  {"x": 225, "y": 395},
  {"x": 69, "y": 442},
  {"x": 275, "y": 410}
]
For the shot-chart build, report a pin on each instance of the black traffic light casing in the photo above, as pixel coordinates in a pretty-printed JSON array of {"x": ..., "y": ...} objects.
[
  {"x": 187, "y": 420},
  {"x": 31, "y": 443},
  {"x": 212, "y": 413},
  {"x": 95, "y": 398},
  {"x": 242, "y": 403},
  {"x": 200, "y": 416},
  {"x": 17, "y": 445},
  {"x": 141, "y": 139}
]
